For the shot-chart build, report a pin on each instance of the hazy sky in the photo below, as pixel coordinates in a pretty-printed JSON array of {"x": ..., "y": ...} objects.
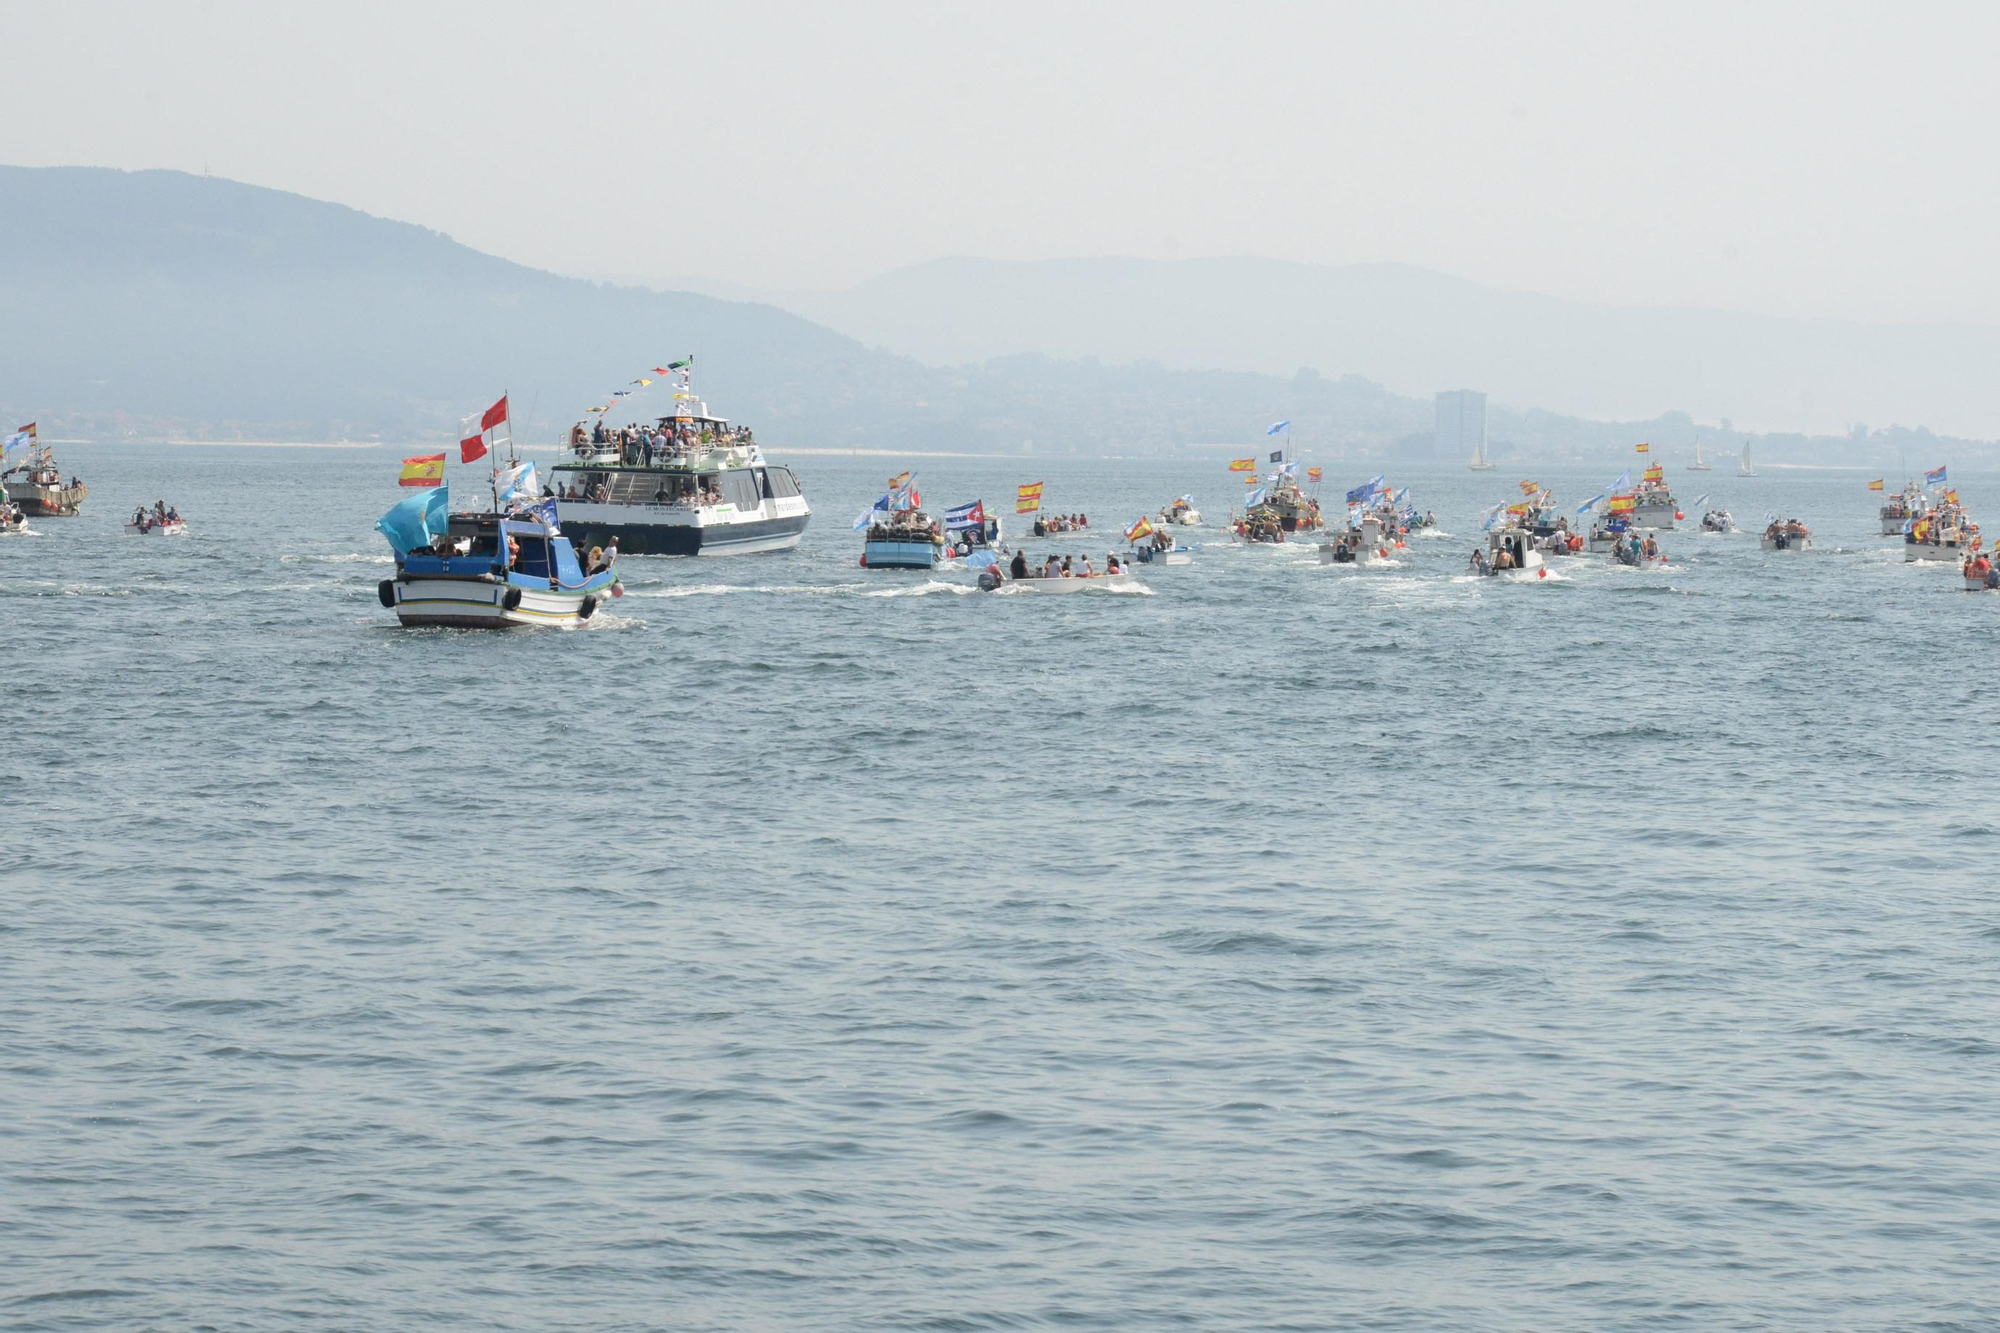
[{"x": 1794, "y": 159}]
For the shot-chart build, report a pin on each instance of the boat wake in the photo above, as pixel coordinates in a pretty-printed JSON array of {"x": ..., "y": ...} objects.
[{"x": 923, "y": 590}]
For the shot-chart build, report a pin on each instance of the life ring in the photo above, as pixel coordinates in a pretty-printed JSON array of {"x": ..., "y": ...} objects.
[
  {"x": 510, "y": 599},
  {"x": 386, "y": 591}
]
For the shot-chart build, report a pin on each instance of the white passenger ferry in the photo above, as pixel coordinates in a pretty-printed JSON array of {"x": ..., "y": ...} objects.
[{"x": 692, "y": 485}]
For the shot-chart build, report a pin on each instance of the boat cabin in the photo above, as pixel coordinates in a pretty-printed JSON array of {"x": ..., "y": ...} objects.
[{"x": 503, "y": 549}]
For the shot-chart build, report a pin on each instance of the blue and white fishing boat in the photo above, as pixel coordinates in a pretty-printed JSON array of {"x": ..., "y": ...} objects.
[
  {"x": 486, "y": 570},
  {"x": 900, "y": 534}
]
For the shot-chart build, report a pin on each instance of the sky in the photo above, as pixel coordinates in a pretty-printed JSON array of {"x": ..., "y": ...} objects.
[{"x": 1826, "y": 160}]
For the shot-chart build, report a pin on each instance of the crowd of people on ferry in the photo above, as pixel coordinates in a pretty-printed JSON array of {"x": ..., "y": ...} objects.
[
  {"x": 161, "y": 515},
  {"x": 643, "y": 446}
]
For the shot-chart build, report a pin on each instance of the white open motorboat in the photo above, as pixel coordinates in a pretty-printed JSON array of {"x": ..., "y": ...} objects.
[
  {"x": 176, "y": 528},
  {"x": 1526, "y": 564},
  {"x": 1367, "y": 543},
  {"x": 1064, "y": 586}
]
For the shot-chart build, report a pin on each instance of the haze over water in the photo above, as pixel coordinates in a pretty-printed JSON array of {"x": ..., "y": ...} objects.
[{"x": 798, "y": 947}]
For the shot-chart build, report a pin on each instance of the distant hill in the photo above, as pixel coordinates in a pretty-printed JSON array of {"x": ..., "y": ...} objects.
[
  {"x": 159, "y": 303},
  {"x": 155, "y": 304},
  {"x": 1416, "y": 331}
]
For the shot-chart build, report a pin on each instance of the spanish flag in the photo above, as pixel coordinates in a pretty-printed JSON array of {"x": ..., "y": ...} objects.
[
  {"x": 1027, "y": 499},
  {"x": 1530, "y": 487},
  {"x": 1656, "y": 473},
  {"x": 1140, "y": 529},
  {"x": 899, "y": 481},
  {"x": 1519, "y": 510},
  {"x": 1622, "y": 504},
  {"x": 1242, "y": 465},
  {"x": 1642, "y": 448},
  {"x": 1312, "y": 474},
  {"x": 425, "y": 471},
  {"x": 1875, "y": 485},
  {"x": 1950, "y": 497}
]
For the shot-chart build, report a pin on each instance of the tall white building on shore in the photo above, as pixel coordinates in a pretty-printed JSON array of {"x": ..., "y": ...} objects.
[{"x": 1461, "y": 426}]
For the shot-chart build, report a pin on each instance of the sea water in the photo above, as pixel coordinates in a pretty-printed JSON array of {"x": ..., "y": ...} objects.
[{"x": 1274, "y": 946}]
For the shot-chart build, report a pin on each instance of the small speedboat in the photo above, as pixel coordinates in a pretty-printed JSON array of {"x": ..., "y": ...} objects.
[
  {"x": 1056, "y": 586},
  {"x": 1717, "y": 520},
  {"x": 1176, "y": 554},
  {"x": 1987, "y": 582},
  {"x": 150, "y": 528},
  {"x": 1366, "y": 543},
  {"x": 1524, "y": 564},
  {"x": 12, "y": 519},
  {"x": 1792, "y": 536}
]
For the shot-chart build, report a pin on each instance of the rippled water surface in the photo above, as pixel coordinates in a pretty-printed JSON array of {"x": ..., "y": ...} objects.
[{"x": 798, "y": 947}]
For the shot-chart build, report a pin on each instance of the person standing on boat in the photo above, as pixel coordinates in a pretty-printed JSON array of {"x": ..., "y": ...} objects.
[{"x": 1019, "y": 568}]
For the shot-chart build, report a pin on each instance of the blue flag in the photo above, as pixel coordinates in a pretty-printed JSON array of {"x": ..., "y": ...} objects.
[
  {"x": 417, "y": 521},
  {"x": 1937, "y": 476},
  {"x": 1277, "y": 426},
  {"x": 1363, "y": 491}
]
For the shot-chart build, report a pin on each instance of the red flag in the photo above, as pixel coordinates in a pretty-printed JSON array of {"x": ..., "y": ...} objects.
[
  {"x": 494, "y": 414},
  {"x": 471, "y": 448}
]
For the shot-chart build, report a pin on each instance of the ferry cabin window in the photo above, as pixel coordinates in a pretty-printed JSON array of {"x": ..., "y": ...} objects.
[
  {"x": 740, "y": 489},
  {"x": 780, "y": 484}
]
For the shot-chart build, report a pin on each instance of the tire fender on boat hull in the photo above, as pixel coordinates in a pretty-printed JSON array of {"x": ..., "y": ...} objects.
[
  {"x": 587, "y": 608},
  {"x": 386, "y": 592},
  {"x": 510, "y": 599}
]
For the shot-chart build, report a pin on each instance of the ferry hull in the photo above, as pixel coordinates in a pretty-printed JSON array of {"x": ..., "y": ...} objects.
[
  {"x": 484, "y": 604},
  {"x": 47, "y": 501},
  {"x": 1660, "y": 518},
  {"x": 593, "y": 525},
  {"x": 899, "y": 555}
]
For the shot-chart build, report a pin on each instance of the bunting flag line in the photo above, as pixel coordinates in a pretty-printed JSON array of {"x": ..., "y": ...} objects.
[
  {"x": 1875, "y": 485},
  {"x": 1027, "y": 499},
  {"x": 424, "y": 470},
  {"x": 1242, "y": 465}
]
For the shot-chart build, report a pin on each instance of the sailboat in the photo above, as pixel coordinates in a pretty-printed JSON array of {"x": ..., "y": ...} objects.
[
  {"x": 1746, "y": 470},
  {"x": 1700, "y": 464},
  {"x": 1479, "y": 463}
]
